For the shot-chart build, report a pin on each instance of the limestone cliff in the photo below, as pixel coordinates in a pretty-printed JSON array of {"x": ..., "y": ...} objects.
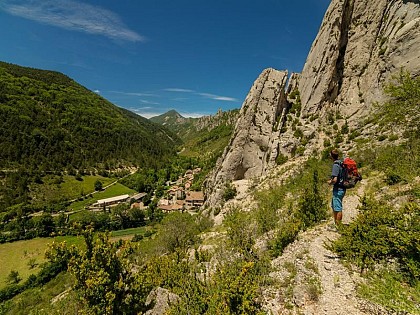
[
  {"x": 359, "y": 45},
  {"x": 253, "y": 146}
]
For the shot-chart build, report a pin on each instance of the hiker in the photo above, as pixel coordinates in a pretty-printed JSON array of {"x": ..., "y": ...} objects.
[{"x": 338, "y": 192}]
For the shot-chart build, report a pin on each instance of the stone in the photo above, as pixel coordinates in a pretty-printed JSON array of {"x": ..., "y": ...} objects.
[
  {"x": 161, "y": 299},
  {"x": 360, "y": 45},
  {"x": 253, "y": 146}
]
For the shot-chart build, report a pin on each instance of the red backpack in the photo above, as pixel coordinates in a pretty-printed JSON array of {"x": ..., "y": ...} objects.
[{"x": 349, "y": 175}]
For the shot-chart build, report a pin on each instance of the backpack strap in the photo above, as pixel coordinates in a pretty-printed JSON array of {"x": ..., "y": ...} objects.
[{"x": 340, "y": 177}]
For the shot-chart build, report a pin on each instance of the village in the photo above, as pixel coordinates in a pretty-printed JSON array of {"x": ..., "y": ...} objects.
[{"x": 178, "y": 197}]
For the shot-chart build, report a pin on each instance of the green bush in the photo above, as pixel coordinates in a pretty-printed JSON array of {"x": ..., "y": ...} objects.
[
  {"x": 393, "y": 137},
  {"x": 382, "y": 138},
  {"x": 233, "y": 289},
  {"x": 298, "y": 133},
  {"x": 380, "y": 234},
  {"x": 177, "y": 231},
  {"x": 312, "y": 207},
  {"x": 286, "y": 234},
  {"x": 240, "y": 231},
  {"x": 229, "y": 192},
  {"x": 392, "y": 178},
  {"x": 402, "y": 108},
  {"x": 388, "y": 288},
  {"x": 281, "y": 159}
]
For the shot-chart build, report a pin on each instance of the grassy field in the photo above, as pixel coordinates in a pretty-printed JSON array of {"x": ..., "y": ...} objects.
[
  {"x": 112, "y": 191},
  {"x": 18, "y": 256},
  {"x": 128, "y": 233},
  {"x": 55, "y": 188}
]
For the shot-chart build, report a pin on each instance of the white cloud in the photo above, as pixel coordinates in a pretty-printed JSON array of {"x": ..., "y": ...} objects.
[
  {"x": 149, "y": 102},
  {"x": 97, "y": 91},
  {"x": 72, "y": 15},
  {"x": 178, "y": 90},
  {"x": 134, "y": 93},
  {"x": 206, "y": 95},
  {"x": 218, "y": 98}
]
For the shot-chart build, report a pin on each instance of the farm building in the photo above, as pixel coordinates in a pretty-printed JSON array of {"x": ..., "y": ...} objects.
[{"x": 112, "y": 201}]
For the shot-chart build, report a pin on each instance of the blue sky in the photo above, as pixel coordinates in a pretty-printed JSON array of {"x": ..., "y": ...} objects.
[{"x": 193, "y": 56}]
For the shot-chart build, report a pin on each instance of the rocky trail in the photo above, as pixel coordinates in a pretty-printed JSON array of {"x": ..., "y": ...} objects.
[
  {"x": 312, "y": 279},
  {"x": 338, "y": 286}
]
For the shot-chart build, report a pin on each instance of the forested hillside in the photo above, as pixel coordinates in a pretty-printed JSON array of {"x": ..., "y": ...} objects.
[
  {"x": 203, "y": 137},
  {"x": 50, "y": 122}
]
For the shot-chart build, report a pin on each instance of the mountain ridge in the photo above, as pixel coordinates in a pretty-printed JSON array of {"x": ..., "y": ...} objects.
[{"x": 61, "y": 124}]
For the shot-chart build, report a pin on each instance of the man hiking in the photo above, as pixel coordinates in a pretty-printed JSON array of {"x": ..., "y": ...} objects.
[{"x": 338, "y": 191}]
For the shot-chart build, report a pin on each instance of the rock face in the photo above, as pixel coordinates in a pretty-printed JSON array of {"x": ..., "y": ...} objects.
[
  {"x": 360, "y": 44},
  {"x": 253, "y": 146},
  {"x": 161, "y": 299}
]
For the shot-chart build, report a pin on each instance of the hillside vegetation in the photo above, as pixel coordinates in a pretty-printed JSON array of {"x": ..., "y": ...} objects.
[
  {"x": 54, "y": 133},
  {"x": 49, "y": 122},
  {"x": 230, "y": 268},
  {"x": 204, "y": 138},
  {"x": 237, "y": 266}
]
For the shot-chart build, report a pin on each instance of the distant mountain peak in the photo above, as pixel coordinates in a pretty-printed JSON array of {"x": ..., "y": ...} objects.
[
  {"x": 172, "y": 113},
  {"x": 169, "y": 117}
]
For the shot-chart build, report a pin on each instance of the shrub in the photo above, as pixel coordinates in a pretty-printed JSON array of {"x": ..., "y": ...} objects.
[
  {"x": 105, "y": 277},
  {"x": 393, "y": 137},
  {"x": 381, "y": 233},
  {"x": 345, "y": 128},
  {"x": 281, "y": 159},
  {"x": 286, "y": 234},
  {"x": 393, "y": 178},
  {"x": 298, "y": 133},
  {"x": 240, "y": 230},
  {"x": 312, "y": 207},
  {"x": 402, "y": 108},
  {"x": 13, "y": 277},
  {"x": 229, "y": 192},
  {"x": 233, "y": 289},
  {"x": 382, "y": 138}
]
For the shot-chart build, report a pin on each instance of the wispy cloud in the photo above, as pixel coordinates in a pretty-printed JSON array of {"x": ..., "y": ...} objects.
[
  {"x": 149, "y": 102},
  {"x": 72, "y": 15},
  {"x": 218, "y": 98},
  {"x": 133, "y": 93},
  {"x": 206, "y": 95},
  {"x": 178, "y": 90}
]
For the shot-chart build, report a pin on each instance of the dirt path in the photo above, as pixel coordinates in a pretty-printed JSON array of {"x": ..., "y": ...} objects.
[
  {"x": 309, "y": 278},
  {"x": 338, "y": 287}
]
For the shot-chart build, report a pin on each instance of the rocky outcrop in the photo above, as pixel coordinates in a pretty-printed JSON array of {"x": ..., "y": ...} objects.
[
  {"x": 253, "y": 146},
  {"x": 360, "y": 44},
  {"x": 161, "y": 300}
]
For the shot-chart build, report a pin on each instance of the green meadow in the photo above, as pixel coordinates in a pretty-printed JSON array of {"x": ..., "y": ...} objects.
[
  {"x": 112, "y": 191},
  {"x": 26, "y": 257},
  {"x": 57, "y": 188}
]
